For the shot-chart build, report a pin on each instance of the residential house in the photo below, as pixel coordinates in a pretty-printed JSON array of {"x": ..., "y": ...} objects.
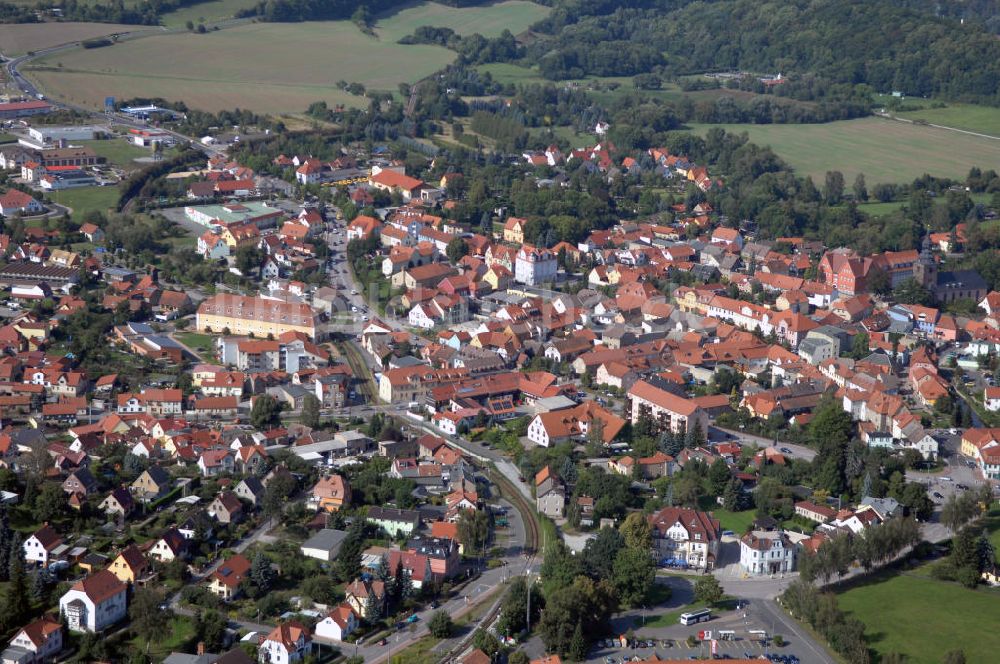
[
  {"x": 687, "y": 536},
  {"x": 338, "y": 624},
  {"x": 94, "y": 603},
  {"x": 225, "y": 581},
  {"x": 330, "y": 494},
  {"x": 130, "y": 565},
  {"x": 287, "y": 643},
  {"x": 767, "y": 552},
  {"x": 550, "y": 494},
  {"x": 40, "y": 544},
  {"x": 39, "y": 641},
  {"x": 153, "y": 483},
  {"x": 226, "y": 508},
  {"x": 357, "y": 592},
  {"x": 118, "y": 504}
]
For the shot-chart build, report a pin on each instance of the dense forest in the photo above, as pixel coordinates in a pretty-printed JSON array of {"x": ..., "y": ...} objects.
[
  {"x": 146, "y": 12},
  {"x": 883, "y": 45},
  {"x": 329, "y": 10}
]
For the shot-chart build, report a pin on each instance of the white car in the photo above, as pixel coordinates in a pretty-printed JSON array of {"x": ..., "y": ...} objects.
[{"x": 354, "y": 308}]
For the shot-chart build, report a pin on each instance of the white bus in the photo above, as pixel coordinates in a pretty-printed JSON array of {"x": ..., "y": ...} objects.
[{"x": 692, "y": 617}]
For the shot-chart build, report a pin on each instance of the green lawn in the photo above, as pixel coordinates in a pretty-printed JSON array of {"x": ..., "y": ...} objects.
[
  {"x": 118, "y": 151},
  {"x": 923, "y": 618},
  {"x": 179, "y": 638},
  {"x": 8, "y": 138},
  {"x": 86, "y": 199},
  {"x": 195, "y": 340},
  {"x": 980, "y": 119},
  {"x": 884, "y": 150},
  {"x": 738, "y": 522}
]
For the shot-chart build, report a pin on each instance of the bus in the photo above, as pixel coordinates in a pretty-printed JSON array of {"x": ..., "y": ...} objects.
[{"x": 692, "y": 617}]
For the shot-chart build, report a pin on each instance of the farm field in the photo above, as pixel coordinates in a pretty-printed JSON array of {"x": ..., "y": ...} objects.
[
  {"x": 213, "y": 71},
  {"x": 897, "y": 610},
  {"x": 980, "y": 119},
  {"x": 19, "y": 38},
  {"x": 205, "y": 12},
  {"x": 885, "y": 151}
]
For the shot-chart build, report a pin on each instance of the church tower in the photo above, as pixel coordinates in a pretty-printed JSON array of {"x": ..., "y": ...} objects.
[{"x": 925, "y": 271}]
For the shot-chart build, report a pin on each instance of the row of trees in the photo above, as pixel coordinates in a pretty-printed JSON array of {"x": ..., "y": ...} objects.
[{"x": 872, "y": 547}]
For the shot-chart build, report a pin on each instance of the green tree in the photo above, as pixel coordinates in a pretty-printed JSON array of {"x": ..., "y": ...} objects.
[
  {"x": 440, "y": 624},
  {"x": 636, "y": 531},
  {"x": 600, "y": 552},
  {"x": 860, "y": 188},
  {"x": 833, "y": 188},
  {"x": 514, "y": 609},
  {"x": 50, "y": 503},
  {"x": 310, "y": 411},
  {"x": 707, "y": 590},
  {"x": 373, "y": 609},
  {"x": 485, "y": 641},
  {"x": 633, "y": 575},
  {"x": 261, "y": 573},
  {"x": 583, "y": 602},
  {"x": 518, "y": 657},
  {"x": 718, "y": 477},
  {"x": 578, "y": 645},
  {"x": 148, "y": 620},
  {"x": 456, "y": 250},
  {"x": 265, "y": 413},
  {"x": 16, "y": 604},
  {"x": 349, "y": 560},
  {"x": 474, "y": 530}
]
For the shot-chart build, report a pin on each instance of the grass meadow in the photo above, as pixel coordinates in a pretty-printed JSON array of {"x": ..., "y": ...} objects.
[
  {"x": 884, "y": 150},
  {"x": 969, "y": 117},
  {"x": 271, "y": 67},
  {"x": 923, "y": 618},
  {"x": 19, "y": 38}
]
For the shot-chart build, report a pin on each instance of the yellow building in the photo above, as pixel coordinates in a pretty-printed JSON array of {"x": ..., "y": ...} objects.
[
  {"x": 255, "y": 316},
  {"x": 130, "y": 565},
  {"x": 513, "y": 230}
]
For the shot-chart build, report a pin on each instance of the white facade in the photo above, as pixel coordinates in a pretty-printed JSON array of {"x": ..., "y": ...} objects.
[
  {"x": 35, "y": 552},
  {"x": 328, "y": 628},
  {"x": 421, "y": 317},
  {"x": 769, "y": 552},
  {"x": 537, "y": 433},
  {"x": 83, "y": 615},
  {"x": 50, "y": 647},
  {"x": 535, "y": 266}
]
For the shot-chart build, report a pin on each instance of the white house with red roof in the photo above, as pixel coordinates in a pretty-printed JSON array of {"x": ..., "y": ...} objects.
[
  {"x": 40, "y": 544},
  {"x": 288, "y": 642},
  {"x": 338, "y": 624},
  {"x": 95, "y": 602},
  {"x": 686, "y": 535},
  {"x": 38, "y": 641},
  {"x": 15, "y": 201}
]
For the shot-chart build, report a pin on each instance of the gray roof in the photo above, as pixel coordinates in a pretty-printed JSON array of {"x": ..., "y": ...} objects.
[
  {"x": 327, "y": 539},
  {"x": 184, "y": 658}
]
